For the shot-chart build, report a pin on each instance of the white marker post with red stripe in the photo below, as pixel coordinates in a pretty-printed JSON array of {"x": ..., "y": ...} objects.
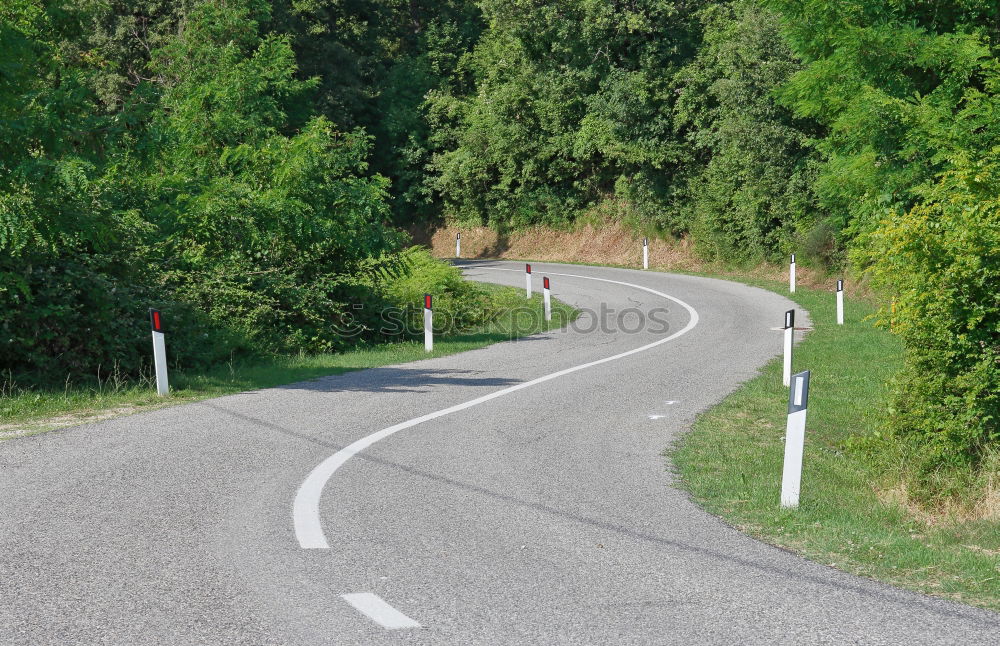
[
  {"x": 840, "y": 302},
  {"x": 428, "y": 324},
  {"x": 791, "y": 275},
  {"x": 789, "y": 337},
  {"x": 645, "y": 253},
  {"x": 547, "y": 297},
  {"x": 527, "y": 281},
  {"x": 458, "y": 244},
  {"x": 159, "y": 353},
  {"x": 795, "y": 439}
]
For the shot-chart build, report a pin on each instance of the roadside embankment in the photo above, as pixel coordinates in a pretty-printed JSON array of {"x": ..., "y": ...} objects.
[{"x": 607, "y": 242}]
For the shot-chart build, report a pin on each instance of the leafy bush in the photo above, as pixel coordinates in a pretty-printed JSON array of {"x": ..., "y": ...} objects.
[
  {"x": 752, "y": 190},
  {"x": 458, "y": 304},
  {"x": 198, "y": 193},
  {"x": 940, "y": 264},
  {"x": 62, "y": 319}
]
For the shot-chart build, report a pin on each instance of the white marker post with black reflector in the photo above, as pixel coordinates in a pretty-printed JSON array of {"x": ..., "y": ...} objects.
[
  {"x": 791, "y": 275},
  {"x": 795, "y": 439},
  {"x": 645, "y": 253},
  {"x": 840, "y": 302},
  {"x": 458, "y": 244},
  {"x": 786, "y": 375},
  {"x": 428, "y": 324},
  {"x": 159, "y": 353},
  {"x": 527, "y": 281},
  {"x": 547, "y": 297}
]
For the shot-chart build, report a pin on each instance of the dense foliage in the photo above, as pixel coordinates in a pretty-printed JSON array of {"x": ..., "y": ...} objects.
[
  {"x": 750, "y": 192},
  {"x": 245, "y": 164},
  {"x": 941, "y": 263},
  {"x": 190, "y": 179},
  {"x": 571, "y": 102},
  {"x": 909, "y": 92}
]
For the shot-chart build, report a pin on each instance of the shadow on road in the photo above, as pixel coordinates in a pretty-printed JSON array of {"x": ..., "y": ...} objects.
[{"x": 394, "y": 380}]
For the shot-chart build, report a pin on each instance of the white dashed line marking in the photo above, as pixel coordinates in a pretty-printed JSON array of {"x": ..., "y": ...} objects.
[{"x": 375, "y": 608}]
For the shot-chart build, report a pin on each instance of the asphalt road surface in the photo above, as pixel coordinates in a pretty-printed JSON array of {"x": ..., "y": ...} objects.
[{"x": 531, "y": 505}]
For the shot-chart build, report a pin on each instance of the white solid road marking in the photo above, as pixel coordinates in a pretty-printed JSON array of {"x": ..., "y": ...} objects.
[
  {"x": 657, "y": 416},
  {"x": 305, "y": 509},
  {"x": 375, "y": 608}
]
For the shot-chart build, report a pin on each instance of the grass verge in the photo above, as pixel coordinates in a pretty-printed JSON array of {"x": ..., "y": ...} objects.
[
  {"x": 731, "y": 461},
  {"x": 30, "y": 411}
]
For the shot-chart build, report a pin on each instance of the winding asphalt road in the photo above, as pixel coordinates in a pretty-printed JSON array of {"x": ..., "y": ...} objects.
[{"x": 543, "y": 515}]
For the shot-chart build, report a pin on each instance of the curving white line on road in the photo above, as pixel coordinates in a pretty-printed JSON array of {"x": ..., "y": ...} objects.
[
  {"x": 305, "y": 510},
  {"x": 375, "y": 608}
]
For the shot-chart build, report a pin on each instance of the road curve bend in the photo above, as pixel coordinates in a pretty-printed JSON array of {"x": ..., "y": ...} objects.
[{"x": 541, "y": 513}]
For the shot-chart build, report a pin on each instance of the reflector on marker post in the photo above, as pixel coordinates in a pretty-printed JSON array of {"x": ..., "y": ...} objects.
[
  {"x": 840, "y": 302},
  {"x": 458, "y": 244},
  {"x": 786, "y": 375},
  {"x": 159, "y": 352},
  {"x": 791, "y": 275},
  {"x": 795, "y": 438},
  {"x": 527, "y": 281},
  {"x": 547, "y": 298},
  {"x": 428, "y": 324}
]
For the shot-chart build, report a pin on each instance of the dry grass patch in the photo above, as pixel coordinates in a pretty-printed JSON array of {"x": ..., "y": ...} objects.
[
  {"x": 979, "y": 502},
  {"x": 608, "y": 242}
]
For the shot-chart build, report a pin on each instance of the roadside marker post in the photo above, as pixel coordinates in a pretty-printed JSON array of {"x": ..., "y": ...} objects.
[
  {"x": 428, "y": 324},
  {"x": 547, "y": 297},
  {"x": 786, "y": 376},
  {"x": 791, "y": 275},
  {"x": 159, "y": 353},
  {"x": 527, "y": 281},
  {"x": 645, "y": 253},
  {"x": 795, "y": 438},
  {"x": 840, "y": 302},
  {"x": 458, "y": 244}
]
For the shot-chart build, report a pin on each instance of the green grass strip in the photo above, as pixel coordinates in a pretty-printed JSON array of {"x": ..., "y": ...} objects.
[
  {"x": 26, "y": 412},
  {"x": 731, "y": 463}
]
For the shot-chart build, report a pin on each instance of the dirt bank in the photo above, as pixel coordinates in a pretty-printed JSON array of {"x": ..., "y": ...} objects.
[{"x": 611, "y": 243}]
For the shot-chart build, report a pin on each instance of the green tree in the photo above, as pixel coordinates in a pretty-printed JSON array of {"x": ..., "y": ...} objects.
[
  {"x": 883, "y": 77},
  {"x": 61, "y": 242},
  {"x": 571, "y": 104},
  {"x": 258, "y": 227},
  {"x": 909, "y": 92},
  {"x": 375, "y": 61},
  {"x": 752, "y": 190},
  {"x": 189, "y": 175}
]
